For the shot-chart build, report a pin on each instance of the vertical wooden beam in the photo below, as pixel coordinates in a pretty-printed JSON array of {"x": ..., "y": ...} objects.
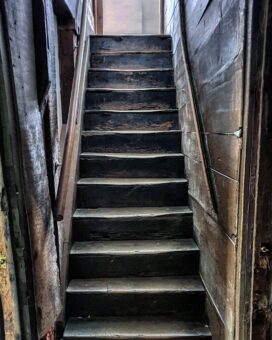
[
  {"x": 16, "y": 277},
  {"x": 98, "y": 16},
  {"x": 162, "y": 16},
  {"x": 253, "y": 299}
]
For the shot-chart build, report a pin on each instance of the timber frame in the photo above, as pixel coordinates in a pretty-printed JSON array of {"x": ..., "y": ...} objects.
[
  {"x": 98, "y": 16},
  {"x": 253, "y": 311},
  {"x": 17, "y": 236}
]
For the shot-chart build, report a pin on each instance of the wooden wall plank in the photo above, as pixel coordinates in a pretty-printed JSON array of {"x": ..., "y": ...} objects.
[
  {"x": 223, "y": 111},
  {"x": 224, "y": 152},
  {"x": 215, "y": 33},
  {"x": 227, "y": 200},
  {"x": 216, "y": 324},
  {"x": 218, "y": 259}
]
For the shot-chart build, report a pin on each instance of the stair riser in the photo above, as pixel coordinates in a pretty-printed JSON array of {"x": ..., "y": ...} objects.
[
  {"x": 111, "y": 196},
  {"x": 132, "y": 61},
  {"x": 130, "y": 43},
  {"x": 130, "y": 80},
  {"x": 185, "y": 306},
  {"x": 130, "y": 100},
  {"x": 155, "y": 143},
  {"x": 161, "y": 167},
  {"x": 162, "y": 264},
  {"x": 136, "y": 121},
  {"x": 163, "y": 227}
]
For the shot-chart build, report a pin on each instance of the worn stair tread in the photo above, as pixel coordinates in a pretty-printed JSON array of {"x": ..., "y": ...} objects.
[
  {"x": 130, "y": 43},
  {"x": 117, "y": 52},
  {"x": 87, "y": 133},
  {"x": 128, "y": 35},
  {"x": 131, "y": 35},
  {"x": 131, "y": 212},
  {"x": 135, "y": 328},
  {"x": 133, "y": 247},
  {"x": 130, "y": 181},
  {"x": 131, "y": 285},
  {"x": 130, "y": 70},
  {"x": 130, "y": 155},
  {"x": 132, "y": 111},
  {"x": 147, "y": 89}
]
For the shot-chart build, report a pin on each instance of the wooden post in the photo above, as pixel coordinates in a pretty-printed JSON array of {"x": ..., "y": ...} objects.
[
  {"x": 98, "y": 16},
  {"x": 162, "y": 16}
]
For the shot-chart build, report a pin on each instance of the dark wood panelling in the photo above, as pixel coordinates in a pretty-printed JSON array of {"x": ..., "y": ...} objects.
[
  {"x": 197, "y": 187},
  {"x": 222, "y": 112},
  {"x": 190, "y": 148},
  {"x": 216, "y": 59},
  {"x": 215, "y": 31},
  {"x": 227, "y": 200},
  {"x": 221, "y": 19},
  {"x": 226, "y": 193},
  {"x": 224, "y": 152},
  {"x": 216, "y": 324},
  {"x": 218, "y": 259},
  {"x": 67, "y": 43}
]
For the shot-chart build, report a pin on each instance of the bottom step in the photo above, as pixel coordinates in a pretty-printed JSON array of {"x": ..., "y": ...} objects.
[{"x": 126, "y": 328}]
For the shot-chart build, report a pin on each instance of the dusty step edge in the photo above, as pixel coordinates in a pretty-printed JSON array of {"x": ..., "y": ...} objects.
[
  {"x": 90, "y": 111},
  {"x": 124, "y": 52},
  {"x": 133, "y": 248},
  {"x": 137, "y": 285},
  {"x": 130, "y": 181},
  {"x": 125, "y": 328},
  {"x": 129, "y": 35},
  {"x": 137, "y": 70},
  {"x": 147, "y": 89},
  {"x": 131, "y": 212},
  {"x": 124, "y": 156},
  {"x": 128, "y": 132}
]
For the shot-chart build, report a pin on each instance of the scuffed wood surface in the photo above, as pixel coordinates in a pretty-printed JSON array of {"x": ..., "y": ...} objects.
[
  {"x": 217, "y": 265},
  {"x": 224, "y": 153},
  {"x": 8, "y": 292},
  {"x": 37, "y": 197},
  {"x": 215, "y": 323},
  {"x": 261, "y": 165}
]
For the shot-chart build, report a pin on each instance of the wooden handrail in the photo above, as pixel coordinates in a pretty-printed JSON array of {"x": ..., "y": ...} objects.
[
  {"x": 75, "y": 100},
  {"x": 195, "y": 110}
]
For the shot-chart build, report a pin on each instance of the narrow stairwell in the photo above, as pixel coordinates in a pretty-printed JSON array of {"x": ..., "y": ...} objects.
[{"x": 133, "y": 267}]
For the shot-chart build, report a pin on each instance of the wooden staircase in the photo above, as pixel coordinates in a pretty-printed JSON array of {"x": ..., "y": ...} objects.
[{"x": 133, "y": 267}]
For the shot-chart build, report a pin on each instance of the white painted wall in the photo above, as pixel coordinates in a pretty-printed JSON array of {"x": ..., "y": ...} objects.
[{"x": 131, "y": 16}]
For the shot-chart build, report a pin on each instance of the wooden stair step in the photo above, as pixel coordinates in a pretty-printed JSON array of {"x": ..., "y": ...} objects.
[
  {"x": 131, "y": 192},
  {"x": 133, "y": 257},
  {"x": 130, "y": 43},
  {"x": 135, "y": 328},
  {"x": 138, "y": 212},
  {"x": 126, "y": 79},
  {"x": 132, "y": 60},
  {"x": 132, "y": 223},
  {"x": 131, "y": 141},
  {"x": 150, "y": 120},
  {"x": 181, "y": 296},
  {"x": 131, "y": 99},
  {"x": 116, "y": 165}
]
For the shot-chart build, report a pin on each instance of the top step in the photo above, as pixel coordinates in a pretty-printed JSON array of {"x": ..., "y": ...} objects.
[{"x": 130, "y": 43}]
